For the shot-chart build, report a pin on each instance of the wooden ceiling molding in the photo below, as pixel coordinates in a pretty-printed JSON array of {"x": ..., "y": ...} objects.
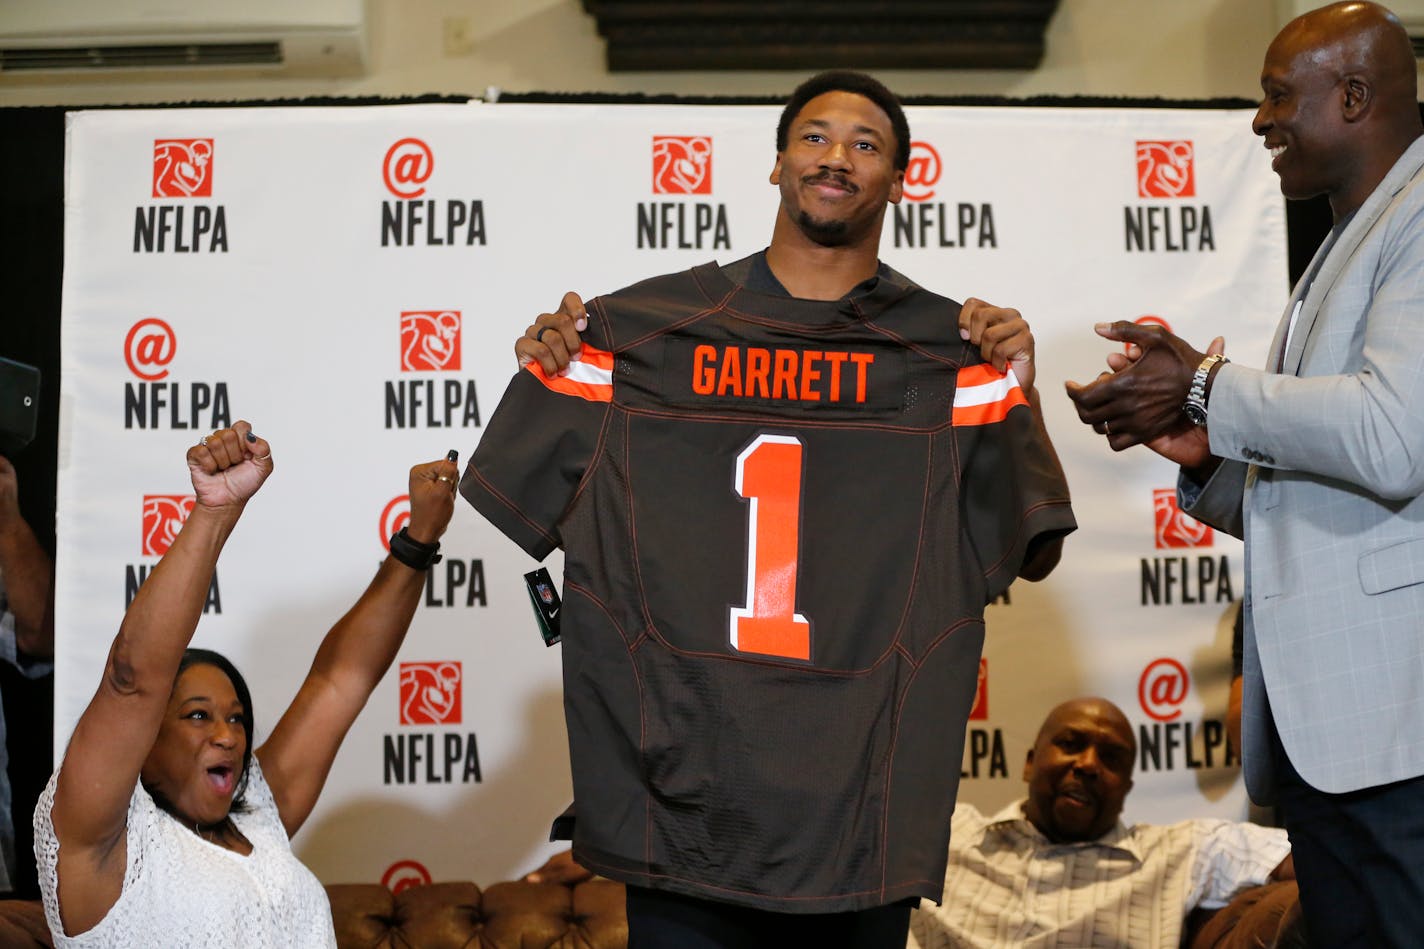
[{"x": 646, "y": 36}]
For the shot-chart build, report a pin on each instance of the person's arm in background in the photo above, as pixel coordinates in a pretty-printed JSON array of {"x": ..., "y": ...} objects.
[
  {"x": 27, "y": 571},
  {"x": 560, "y": 869},
  {"x": 1233, "y": 695}
]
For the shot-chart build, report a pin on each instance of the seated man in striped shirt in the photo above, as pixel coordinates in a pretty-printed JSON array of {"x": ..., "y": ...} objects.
[{"x": 1060, "y": 868}]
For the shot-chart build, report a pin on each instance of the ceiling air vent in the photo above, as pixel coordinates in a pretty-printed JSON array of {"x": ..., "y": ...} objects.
[
  {"x": 156, "y": 56},
  {"x": 49, "y": 40}
]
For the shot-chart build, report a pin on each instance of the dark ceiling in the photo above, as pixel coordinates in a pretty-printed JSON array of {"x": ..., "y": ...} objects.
[{"x": 799, "y": 34}]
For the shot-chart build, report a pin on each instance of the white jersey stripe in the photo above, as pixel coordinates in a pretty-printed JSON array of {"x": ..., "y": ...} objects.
[{"x": 986, "y": 393}]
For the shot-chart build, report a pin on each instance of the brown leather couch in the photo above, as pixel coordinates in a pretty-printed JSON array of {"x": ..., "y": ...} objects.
[
  {"x": 520, "y": 915},
  {"x": 588, "y": 915}
]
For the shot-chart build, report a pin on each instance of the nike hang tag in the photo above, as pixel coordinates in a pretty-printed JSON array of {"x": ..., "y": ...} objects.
[{"x": 546, "y": 603}]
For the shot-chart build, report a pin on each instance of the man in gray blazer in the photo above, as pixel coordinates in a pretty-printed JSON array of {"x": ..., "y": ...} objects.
[{"x": 1318, "y": 462}]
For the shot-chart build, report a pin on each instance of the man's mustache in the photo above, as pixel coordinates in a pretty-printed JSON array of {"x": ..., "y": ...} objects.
[{"x": 827, "y": 177}]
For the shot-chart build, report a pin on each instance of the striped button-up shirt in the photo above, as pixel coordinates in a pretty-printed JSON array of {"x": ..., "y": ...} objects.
[{"x": 1008, "y": 885}]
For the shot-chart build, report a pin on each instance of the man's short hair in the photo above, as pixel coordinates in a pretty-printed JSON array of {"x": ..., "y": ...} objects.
[{"x": 846, "y": 80}]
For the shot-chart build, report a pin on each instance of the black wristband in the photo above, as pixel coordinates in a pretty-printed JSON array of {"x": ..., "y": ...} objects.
[{"x": 413, "y": 553}]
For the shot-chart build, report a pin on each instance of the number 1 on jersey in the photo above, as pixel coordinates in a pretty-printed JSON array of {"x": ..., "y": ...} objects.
[{"x": 769, "y": 476}]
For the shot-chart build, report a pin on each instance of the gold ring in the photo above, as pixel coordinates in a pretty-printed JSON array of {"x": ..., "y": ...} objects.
[{"x": 445, "y": 478}]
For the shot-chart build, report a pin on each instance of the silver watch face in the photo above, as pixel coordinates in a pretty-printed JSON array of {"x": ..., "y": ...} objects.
[{"x": 1194, "y": 412}]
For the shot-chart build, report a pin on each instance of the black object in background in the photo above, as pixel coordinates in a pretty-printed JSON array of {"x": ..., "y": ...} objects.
[{"x": 19, "y": 405}]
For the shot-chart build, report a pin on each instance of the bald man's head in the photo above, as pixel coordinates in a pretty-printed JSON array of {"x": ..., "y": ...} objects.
[
  {"x": 1339, "y": 102},
  {"x": 1358, "y": 38},
  {"x": 1079, "y": 770}
]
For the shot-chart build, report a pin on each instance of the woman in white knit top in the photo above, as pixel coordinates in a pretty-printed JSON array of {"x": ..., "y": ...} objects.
[{"x": 162, "y": 827}]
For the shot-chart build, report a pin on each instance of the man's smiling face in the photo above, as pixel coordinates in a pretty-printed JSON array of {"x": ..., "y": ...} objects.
[{"x": 837, "y": 171}]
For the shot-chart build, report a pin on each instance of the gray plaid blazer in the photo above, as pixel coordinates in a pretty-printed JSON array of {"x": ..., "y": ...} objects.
[{"x": 1323, "y": 480}]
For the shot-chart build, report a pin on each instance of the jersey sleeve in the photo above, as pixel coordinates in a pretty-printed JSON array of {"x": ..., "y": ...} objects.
[
  {"x": 538, "y": 445},
  {"x": 1013, "y": 491}
]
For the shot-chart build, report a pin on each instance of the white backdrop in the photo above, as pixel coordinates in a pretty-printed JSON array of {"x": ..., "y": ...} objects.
[{"x": 351, "y": 280}]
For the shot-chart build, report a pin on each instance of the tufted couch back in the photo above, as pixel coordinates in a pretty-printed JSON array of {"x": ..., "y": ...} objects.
[
  {"x": 588, "y": 915},
  {"x": 462, "y": 916},
  {"x": 515, "y": 915}
]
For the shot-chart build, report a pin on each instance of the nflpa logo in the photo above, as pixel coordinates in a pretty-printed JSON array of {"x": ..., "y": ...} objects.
[
  {"x": 404, "y": 874},
  {"x": 980, "y": 711},
  {"x": 183, "y": 168},
  {"x": 149, "y": 347},
  {"x": 394, "y": 516},
  {"x": 1162, "y": 688},
  {"x": 430, "y": 693},
  {"x": 1173, "y": 528},
  {"x": 682, "y": 164},
  {"x": 407, "y": 167},
  {"x": 163, "y": 517},
  {"x": 430, "y": 340},
  {"x": 1166, "y": 170},
  {"x": 922, "y": 173}
]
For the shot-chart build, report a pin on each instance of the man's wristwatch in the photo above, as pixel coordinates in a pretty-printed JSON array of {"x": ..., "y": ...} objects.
[{"x": 1195, "y": 406}]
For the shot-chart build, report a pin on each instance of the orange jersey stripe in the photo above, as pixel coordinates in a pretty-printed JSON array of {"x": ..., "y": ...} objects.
[
  {"x": 983, "y": 395},
  {"x": 591, "y": 377}
]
